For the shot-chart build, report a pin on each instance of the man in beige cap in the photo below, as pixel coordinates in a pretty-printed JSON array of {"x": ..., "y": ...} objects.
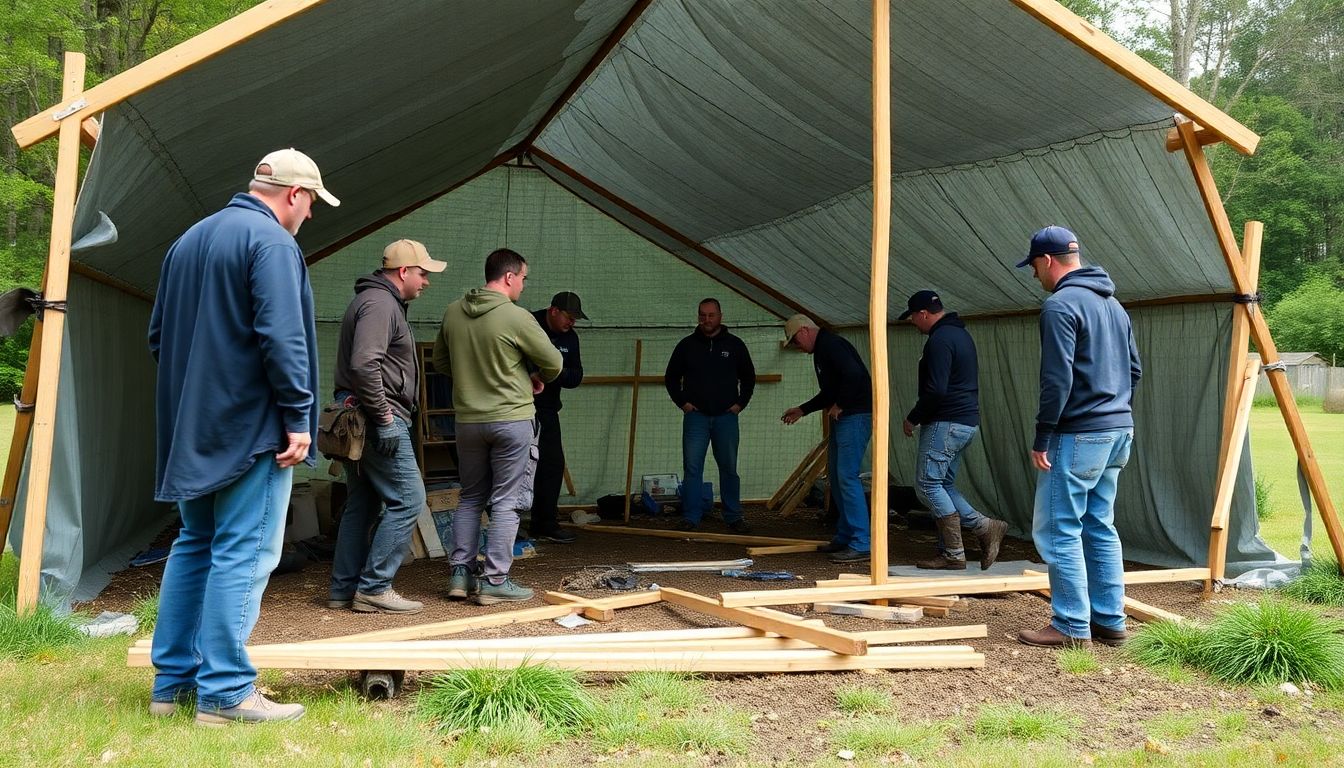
[
  {"x": 376, "y": 368},
  {"x": 235, "y": 336}
]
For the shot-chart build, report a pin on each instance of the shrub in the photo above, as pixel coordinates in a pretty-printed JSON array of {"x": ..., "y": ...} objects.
[
  {"x": 1274, "y": 642},
  {"x": 470, "y": 699}
]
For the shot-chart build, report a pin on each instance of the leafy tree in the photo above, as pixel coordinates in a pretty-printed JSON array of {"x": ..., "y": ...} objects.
[{"x": 1311, "y": 318}]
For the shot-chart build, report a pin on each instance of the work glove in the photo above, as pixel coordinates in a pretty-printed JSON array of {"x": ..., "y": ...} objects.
[{"x": 387, "y": 436}]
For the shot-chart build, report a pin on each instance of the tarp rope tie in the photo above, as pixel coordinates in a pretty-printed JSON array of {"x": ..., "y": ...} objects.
[
  {"x": 1277, "y": 365},
  {"x": 1246, "y": 298},
  {"x": 21, "y": 406},
  {"x": 40, "y": 305}
]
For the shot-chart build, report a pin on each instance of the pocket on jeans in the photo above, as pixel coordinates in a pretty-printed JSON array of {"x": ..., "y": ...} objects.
[
  {"x": 1091, "y": 455},
  {"x": 933, "y": 468},
  {"x": 1122, "y": 455}
]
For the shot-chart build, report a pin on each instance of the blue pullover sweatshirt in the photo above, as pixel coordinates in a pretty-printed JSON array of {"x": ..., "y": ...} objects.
[
  {"x": 234, "y": 333},
  {"x": 1089, "y": 362},
  {"x": 949, "y": 387}
]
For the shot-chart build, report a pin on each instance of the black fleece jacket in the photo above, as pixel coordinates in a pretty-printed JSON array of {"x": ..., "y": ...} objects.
[
  {"x": 571, "y": 375},
  {"x": 713, "y": 373},
  {"x": 948, "y": 376},
  {"x": 843, "y": 378}
]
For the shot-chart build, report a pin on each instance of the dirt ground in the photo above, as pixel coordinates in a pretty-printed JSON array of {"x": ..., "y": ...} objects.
[{"x": 1113, "y": 702}]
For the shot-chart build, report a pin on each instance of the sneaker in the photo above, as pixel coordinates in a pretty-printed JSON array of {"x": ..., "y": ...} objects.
[
  {"x": 462, "y": 582},
  {"x": 687, "y": 525},
  {"x": 254, "y": 709},
  {"x": 169, "y": 708},
  {"x": 557, "y": 534},
  {"x": 385, "y": 602},
  {"x": 740, "y": 527},
  {"x": 508, "y": 592},
  {"x": 848, "y": 555},
  {"x": 337, "y": 604},
  {"x": 1049, "y": 637}
]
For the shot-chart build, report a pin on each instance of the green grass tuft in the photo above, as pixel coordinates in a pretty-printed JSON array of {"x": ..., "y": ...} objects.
[
  {"x": 469, "y": 699},
  {"x": 667, "y": 691},
  {"x": 725, "y": 731},
  {"x": 1274, "y": 641},
  {"x": 37, "y": 634},
  {"x": 862, "y": 700},
  {"x": 872, "y": 736},
  {"x": 1014, "y": 721},
  {"x": 1078, "y": 661},
  {"x": 1264, "y": 507},
  {"x": 1167, "y": 644},
  {"x": 1174, "y": 726},
  {"x": 1320, "y": 583},
  {"x": 146, "y": 612},
  {"x": 518, "y": 735}
]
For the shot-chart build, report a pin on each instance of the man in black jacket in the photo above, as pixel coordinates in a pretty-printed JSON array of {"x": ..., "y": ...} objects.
[
  {"x": 710, "y": 377},
  {"x": 847, "y": 397},
  {"x": 948, "y": 416},
  {"x": 557, "y": 321},
  {"x": 376, "y": 366}
]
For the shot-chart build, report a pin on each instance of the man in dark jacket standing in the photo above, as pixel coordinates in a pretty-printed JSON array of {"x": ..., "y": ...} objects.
[
  {"x": 710, "y": 377},
  {"x": 1084, "y": 433},
  {"x": 235, "y": 337},
  {"x": 557, "y": 321},
  {"x": 948, "y": 416},
  {"x": 376, "y": 367},
  {"x": 847, "y": 398}
]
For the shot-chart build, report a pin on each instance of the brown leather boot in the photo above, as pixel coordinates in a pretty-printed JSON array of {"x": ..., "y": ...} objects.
[
  {"x": 990, "y": 536},
  {"x": 1049, "y": 637},
  {"x": 1111, "y": 637},
  {"x": 950, "y": 529}
]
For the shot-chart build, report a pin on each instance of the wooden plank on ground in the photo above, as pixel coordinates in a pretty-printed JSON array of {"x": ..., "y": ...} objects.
[
  {"x": 726, "y": 538},
  {"x": 781, "y": 549},
  {"x": 898, "y": 613},
  {"x": 1149, "y": 613},
  {"x": 824, "y": 637},
  {"x": 590, "y": 609}
]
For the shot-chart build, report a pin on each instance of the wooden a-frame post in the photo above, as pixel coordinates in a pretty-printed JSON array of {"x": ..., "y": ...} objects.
[{"x": 877, "y": 289}]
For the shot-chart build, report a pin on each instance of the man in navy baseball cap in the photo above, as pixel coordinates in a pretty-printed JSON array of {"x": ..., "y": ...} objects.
[{"x": 1051, "y": 241}]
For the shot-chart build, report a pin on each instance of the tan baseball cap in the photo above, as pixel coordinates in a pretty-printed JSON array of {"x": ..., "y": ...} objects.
[
  {"x": 292, "y": 168},
  {"x": 795, "y": 324},
  {"x": 409, "y": 253}
]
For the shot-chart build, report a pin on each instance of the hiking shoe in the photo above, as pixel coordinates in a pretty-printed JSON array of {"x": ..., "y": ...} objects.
[
  {"x": 942, "y": 563},
  {"x": 833, "y": 547},
  {"x": 1112, "y": 637},
  {"x": 169, "y": 708},
  {"x": 254, "y": 709},
  {"x": 687, "y": 525},
  {"x": 462, "y": 582},
  {"x": 990, "y": 537},
  {"x": 337, "y": 604},
  {"x": 558, "y": 535},
  {"x": 848, "y": 555},
  {"x": 740, "y": 527},
  {"x": 1049, "y": 637},
  {"x": 508, "y": 592},
  {"x": 385, "y": 602}
]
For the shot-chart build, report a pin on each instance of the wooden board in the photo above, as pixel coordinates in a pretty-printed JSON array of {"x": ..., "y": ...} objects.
[
  {"x": 781, "y": 549},
  {"x": 895, "y": 613},
  {"x": 832, "y": 639},
  {"x": 728, "y": 538}
]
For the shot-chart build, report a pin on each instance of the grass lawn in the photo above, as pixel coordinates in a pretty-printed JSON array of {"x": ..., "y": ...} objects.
[{"x": 1276, "y": 464}]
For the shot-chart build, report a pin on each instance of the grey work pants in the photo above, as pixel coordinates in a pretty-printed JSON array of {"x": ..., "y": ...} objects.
[{"x": 498, "y": 463}]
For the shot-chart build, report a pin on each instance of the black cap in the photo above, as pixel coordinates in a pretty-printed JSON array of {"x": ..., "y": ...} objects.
[
  {"x": 922, "y": 300},
  {"x": 569, "y": 302}
]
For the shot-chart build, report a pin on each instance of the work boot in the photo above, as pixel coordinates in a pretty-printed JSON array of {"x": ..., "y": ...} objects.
[
  {"x": 848, "y": 555},
  {"x": 990, "y": 534},
  {"x": 949, "y": 527},
  {"x": 740, "y": 527},
  {"x": 385, "y": 602},
  {"x": 254, "y": 709},
  {"x": 1049, "y": 637},
  {"x": 1111, "y": 637},
  {"x": 687, "y": 525},
  {"x": 462, "y": 582},
  {"x": 338, "y": 604},
  {"x": 169, "y": 708},
  {"x": 508, "y": 592}
]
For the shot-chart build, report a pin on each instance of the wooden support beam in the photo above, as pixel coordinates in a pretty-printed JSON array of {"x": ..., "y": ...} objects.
[
  {"x": 791, "y": 481},
  {"x": 1149, "y": 613},
  {"x": 686, "y": 241},
  {"x": 946, "y": 586},
  {"x": 823, "y": 637},
  {"x": 175, "y": 60},
  {"x": 1140, "y": 72},
  {"x": 898, "y": 613},
  {"x": 53, "y": 332},
  {"x": 23, "y": 423},
  {"x": 1259, "y": 332},
  {"x": 89, "y": 131},
  {"x": 1229, "y": 464},
  {"x": 1202, "y": 135},
  {"x": 591, "y": 610},
  {"x": 634, "y": 421},
  {"x": 877, "y": 286},
  {"x": 804, "y": 486},
  {"x": 725, "y": 538},
  {"x": 781, "y": 549}
]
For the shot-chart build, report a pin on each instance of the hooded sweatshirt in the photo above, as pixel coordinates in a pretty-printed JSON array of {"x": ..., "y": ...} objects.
[
  {"x": 1089, "y": 362},
  {"x": 949, "y": 388},
  {"x": 572, "y": 374},
  {"x": 713, "y": 373},
  {"x": 375, "y": 357},
  {"x": 485, "y": 344}
]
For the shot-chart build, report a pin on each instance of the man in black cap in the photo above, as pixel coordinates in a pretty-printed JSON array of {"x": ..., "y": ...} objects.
[
  {"x": 558, "y": 322},
  {"x": 948, "y": 416}
]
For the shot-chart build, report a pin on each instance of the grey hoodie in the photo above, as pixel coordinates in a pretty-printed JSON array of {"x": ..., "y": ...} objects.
[
  {"x": 1089, "y": 362},
  {"x": 375, "y": 358}
]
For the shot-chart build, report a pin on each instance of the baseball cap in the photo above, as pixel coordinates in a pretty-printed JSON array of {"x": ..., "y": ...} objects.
[
  {"x": 568, "y": 301},
  {"x": 292, "y": 168},
  {"x": 795, "y": 324},
  {"x": 922, "y": 300},
  {"x": 1051, "y": 241},
  {"x": 409, "y": 253}
]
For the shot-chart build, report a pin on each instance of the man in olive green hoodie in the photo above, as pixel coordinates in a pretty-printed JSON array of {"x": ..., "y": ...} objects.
[{"x": 487, "y": 344}]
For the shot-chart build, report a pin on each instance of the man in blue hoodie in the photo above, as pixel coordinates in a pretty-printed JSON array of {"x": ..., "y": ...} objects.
[
  {"x": 1084, "y": 432},
  {"x": 235, "y": 337},
  {"x": 948, "y": 416}
]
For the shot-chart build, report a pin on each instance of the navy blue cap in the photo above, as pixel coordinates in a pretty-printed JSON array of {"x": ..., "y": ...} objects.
[
  {"x": 922, "y": 300},
  {"x": 1051, "y": 241}
]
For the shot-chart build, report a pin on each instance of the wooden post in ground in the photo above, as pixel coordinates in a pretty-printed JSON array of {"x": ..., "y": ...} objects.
[
  {"x": 877, "y": 291},
  {"x": 1227, "y": 475},
  {"x": 23, "y": 423},
  {"x": 53, "y": 332},
  {"x": 634, "y": 420},
  {"x": 1259, "y": 329}
]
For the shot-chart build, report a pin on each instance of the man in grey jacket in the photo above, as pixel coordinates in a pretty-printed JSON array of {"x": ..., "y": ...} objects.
[{"x": 376, "y": 367}]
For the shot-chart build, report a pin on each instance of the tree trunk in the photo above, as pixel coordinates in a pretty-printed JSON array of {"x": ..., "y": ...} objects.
[{"x": 1184, "y": 26}]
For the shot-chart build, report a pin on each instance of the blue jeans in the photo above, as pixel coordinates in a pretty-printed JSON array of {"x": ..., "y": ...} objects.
[
  {"x": 371, "y": 543},
  {"x": 698, "y": 432},
  {"x": 844, "y": 459},
  {"x": 1074, "y": 529},
  {"x": 940, "y": 447},
  {"x": 212, "y": 585}
]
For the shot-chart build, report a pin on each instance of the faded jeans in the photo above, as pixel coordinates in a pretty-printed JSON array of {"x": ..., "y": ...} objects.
[
  {"x": 940, "y": 447},
  {"x": 844, "y": 458},
  {"x": 698, "y": 432},
  {"x": 1074, "y": 529}
]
